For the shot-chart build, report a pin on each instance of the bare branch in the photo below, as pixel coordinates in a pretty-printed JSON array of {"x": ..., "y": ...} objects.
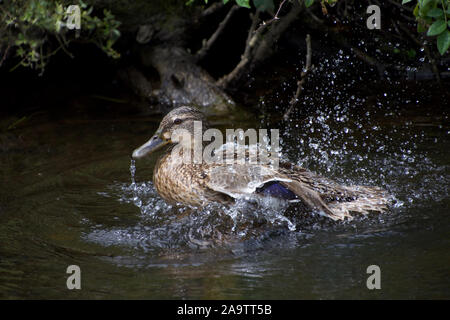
[
  {"x": 275, "y": 17},
  {"x": 303, "y": 76},
  {"x": 208, "y": 44},
  {"x": 259, "y": 44},
  {"x": 255, "y": 19},
  {"x": 213, "y": 8},
  {"x": 245, "y": 59},
  {"x": 5, "y": 54}
]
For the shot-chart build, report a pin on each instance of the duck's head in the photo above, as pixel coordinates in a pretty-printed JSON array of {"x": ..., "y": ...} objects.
[{"x": 178, "y": 120}]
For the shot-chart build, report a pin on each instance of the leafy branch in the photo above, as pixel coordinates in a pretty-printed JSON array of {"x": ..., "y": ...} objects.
[
  {"x": 433, "y": 18},
  {"x": 34, "y": 30}
]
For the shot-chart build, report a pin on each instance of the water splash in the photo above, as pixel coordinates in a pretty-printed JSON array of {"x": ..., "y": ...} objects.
[
  {"x": 346, "y": 135},
  {"x": 162, "y": 226},
  {"x": 380, "y": 138},
  {"x": 133, "y": 171}
]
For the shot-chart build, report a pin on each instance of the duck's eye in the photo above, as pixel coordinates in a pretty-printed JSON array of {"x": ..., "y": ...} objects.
[{"x": 177, "y": 121}]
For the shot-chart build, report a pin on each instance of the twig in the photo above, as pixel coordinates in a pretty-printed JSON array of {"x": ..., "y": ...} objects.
[
  {"x": 208, "y": 44},
  {"x": 213, "y": 8},
  {"x": 62, "y": 44},
  {"x": 17, "y": 65},
  {"x": 303, "y": 76},
  {"x": 259, "y": 44},
  {"x": 396, "y": 27},
  {"x": 275, "y": 17},
  {"x": 245, "y": 59},
  {"x": 251, "y": 31},
  {"x": 5, "y": 54}
]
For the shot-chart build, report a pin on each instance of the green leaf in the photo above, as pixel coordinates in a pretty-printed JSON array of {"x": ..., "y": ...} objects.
[
  {"x": 421, "y": 27},
  {"x": 443, "y": 42},
  {"x": 406, "y": 1},
  {"x": 425, "y": 6},
  {"x": 57, "y": 26},
  {"x": 416, "y": 10},
  {"x": 435, "y": 13},
  {"x": 264, "y": 5},
  {"x": 424, "y": 3},
  {"x": 308, "y": 3},
  {"x": 115, "y": 34},
  {"x": 83, "y": 5},
  {"x": 437, "y": 28},
  {"x": 243, "y": 3},
  {"x": 225, "y": 1}
]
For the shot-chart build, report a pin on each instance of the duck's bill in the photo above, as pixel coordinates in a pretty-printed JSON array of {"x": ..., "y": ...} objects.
[{"x": 150, "y": 146}]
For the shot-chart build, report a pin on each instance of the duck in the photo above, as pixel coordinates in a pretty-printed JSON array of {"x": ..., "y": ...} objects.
[{"x": 198, "y": 184}]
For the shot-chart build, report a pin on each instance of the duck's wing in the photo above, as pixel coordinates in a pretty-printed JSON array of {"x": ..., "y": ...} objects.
[
  {"x": 243, "y": 180},
  {"x": 239, "y": 180}
]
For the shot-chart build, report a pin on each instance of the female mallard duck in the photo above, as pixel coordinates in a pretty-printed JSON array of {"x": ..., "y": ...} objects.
[{"x": 198, "y": 184}]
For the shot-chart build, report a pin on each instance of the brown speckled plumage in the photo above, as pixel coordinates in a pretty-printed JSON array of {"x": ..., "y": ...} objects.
[{"x": 200, "y": 184}]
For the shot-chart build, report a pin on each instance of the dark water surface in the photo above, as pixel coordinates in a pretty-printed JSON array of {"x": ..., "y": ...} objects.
[{"x": 67, "y": 198}]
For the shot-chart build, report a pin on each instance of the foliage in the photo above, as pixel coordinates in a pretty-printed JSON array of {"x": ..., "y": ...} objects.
[
  {"x": 266, "y": 5},
  {"x": 36, "y": 29},
  {"x": 433, "y": 16}
]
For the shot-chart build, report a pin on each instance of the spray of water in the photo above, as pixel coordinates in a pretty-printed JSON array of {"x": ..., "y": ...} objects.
[{"x": 335, "y": 139}]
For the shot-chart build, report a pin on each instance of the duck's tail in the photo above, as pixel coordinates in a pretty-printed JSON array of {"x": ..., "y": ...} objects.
[
  {"x": 362, "y": 200},
  {"x": 365, "y": 200}
]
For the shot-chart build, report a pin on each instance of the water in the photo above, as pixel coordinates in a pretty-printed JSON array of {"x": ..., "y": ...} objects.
[{"x": 70, "y": 195}]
